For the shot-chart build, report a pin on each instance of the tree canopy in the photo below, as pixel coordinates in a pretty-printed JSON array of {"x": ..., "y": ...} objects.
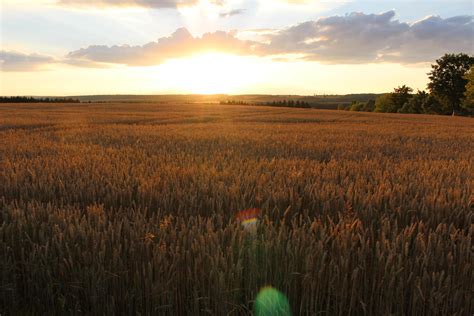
[
  {"x": 447, "y": 79},
  {"x": 469, "y": 94}
]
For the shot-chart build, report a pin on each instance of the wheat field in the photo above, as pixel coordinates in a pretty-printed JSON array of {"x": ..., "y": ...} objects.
[{"x": 129, "y": 209}]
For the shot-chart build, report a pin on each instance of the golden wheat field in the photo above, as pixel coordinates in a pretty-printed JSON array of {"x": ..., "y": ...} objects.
[{"x": 129, "y": 209}]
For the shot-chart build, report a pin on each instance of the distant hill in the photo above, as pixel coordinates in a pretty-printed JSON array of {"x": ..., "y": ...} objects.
[{"x": 315, "y": 101}]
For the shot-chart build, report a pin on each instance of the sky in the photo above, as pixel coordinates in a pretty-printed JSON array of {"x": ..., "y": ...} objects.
[{"x": 83, "y": 47}]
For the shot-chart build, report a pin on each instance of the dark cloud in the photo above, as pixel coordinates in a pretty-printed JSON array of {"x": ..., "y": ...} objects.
[{"x": 17, "y": 61}]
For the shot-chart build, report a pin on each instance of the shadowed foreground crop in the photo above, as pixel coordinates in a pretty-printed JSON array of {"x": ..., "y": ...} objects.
[{"x": 130, "y": 209}]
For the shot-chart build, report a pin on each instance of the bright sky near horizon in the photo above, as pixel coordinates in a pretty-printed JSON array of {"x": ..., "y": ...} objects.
[{"x": 78, "y": 47}]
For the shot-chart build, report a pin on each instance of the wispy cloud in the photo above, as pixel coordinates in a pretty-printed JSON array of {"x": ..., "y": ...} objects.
[
  {"x": 166, "y": 3},
  {"x": 135, "y": 3},
  {"x": 231, "y": 13}
]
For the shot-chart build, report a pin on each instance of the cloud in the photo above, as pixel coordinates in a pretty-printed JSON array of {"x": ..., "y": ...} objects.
[
  {"x": 355, "y": 38},
  {"x": 298, "y": 1},
  {"x": 230, "y": 13},
  {"x": 180, "y": 44},
  {"x": 433, "y": 36},
  {"x": 368, "y": 38},
  {"x": 17, "y": 61},
  {"x": 155, "y": 4},
  {"x": 350, "y": 39}
]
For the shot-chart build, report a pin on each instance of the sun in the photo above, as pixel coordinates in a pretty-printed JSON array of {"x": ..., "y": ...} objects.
[{"x": 210, "y": 73}]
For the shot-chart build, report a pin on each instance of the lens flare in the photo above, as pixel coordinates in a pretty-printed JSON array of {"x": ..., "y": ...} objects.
[
  {"x": 271, "y": 302},
  {"x": 249, "y": 219}
]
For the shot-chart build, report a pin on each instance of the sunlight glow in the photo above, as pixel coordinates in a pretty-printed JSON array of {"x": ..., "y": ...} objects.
[
  {"x": 210, "y": 73},
  {"x": 203, "y": 7}
]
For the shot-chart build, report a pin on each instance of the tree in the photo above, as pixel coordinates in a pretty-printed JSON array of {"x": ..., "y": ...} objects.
[
  {"x": 369, "y": 106},
  {"x": 385, "y": 103},
  {"x": 414, "y": 104},
  {"x": 447, "y": 79},
  {"x": 469, "y": 94},
  {"x": 393, "y": 102},
  {"x": 356, "y": 106},
  {"x": 401, "y": 95},
  {"x": 433, "y": 105}
]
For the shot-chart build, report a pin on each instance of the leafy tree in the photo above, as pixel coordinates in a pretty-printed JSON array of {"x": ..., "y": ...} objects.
[
  {"x": 469, "y": 94},
  {"x": 385, "y": 103},
  {"x": 393, "y": 102},
  {"x": 448, "y": 80},
  {"x": 433, "y": 105},
  {"x": 369, "y": 106},
  {"x": 401, "y": 95},
  {"x": 415, "y": 104},
  {"x": 356, "y": 106}
]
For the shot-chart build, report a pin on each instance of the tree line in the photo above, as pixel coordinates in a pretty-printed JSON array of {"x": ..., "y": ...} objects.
[
  {"x": 280, "y": 103},
  {"x": 37, "y": 100},
  {"x": 450, "y": 91}
]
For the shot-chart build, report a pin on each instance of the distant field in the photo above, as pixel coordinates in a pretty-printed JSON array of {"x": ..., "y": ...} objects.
[
  {"x": 129, "y": 209},
  {"x": 327, "y": 102}
]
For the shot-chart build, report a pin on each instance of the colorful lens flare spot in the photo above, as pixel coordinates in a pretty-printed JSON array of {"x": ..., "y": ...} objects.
[
  {"x": 271, "y": 302},
  {"x": 249, "y": 214},
  {"x": 248, "y": 218}
]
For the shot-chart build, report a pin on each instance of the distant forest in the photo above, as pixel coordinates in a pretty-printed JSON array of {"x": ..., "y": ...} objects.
[
  {"x": 280, "y": 103},
  {"x": 37, "y": 100}
]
